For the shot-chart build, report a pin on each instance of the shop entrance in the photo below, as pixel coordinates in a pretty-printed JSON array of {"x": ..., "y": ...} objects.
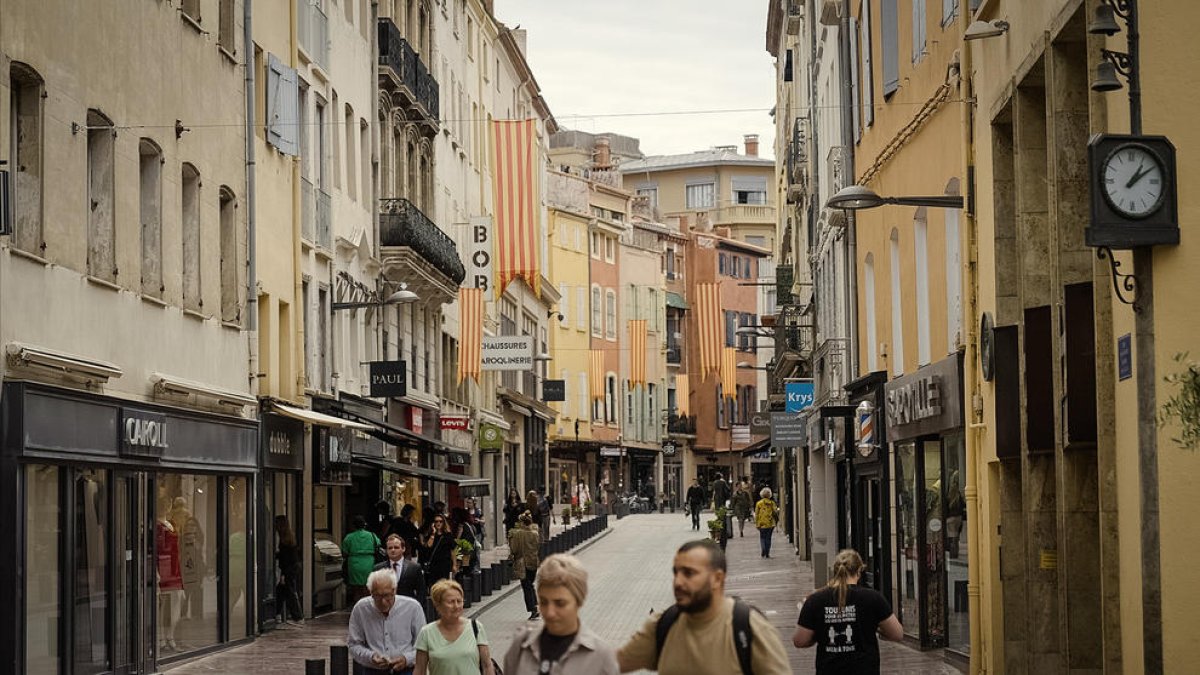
[{"x": 134, "y": 565}]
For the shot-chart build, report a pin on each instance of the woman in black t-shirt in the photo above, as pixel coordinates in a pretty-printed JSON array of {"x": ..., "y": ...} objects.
[{"x": 842, "y": 620}]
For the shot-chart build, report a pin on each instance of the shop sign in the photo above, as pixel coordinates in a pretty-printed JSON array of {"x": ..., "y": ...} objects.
[
  {"x": 669, "y": 448},
  {"x": 143, "y": 433},
  {"x": 609, "y": 451},
  {"x": 554, "y": 390},
  {"x": 334, "y": 452},
  {"x": 799, "y": 395},
  {"x": 453, "y": 423},
  {"x": 926, "y": 402},
  {"x": 741, "y": 433},
  {"x": 760, "y": 423},
  {"x": 491, "y": 437},
  {"x": 416, "y": 419},
  {"x": 282, "y": 442},
  {"x": 507, "y": 352},
  {"x": 1124, "y": 357},
  {"x": 479, "y": 255},
  {"x": 388, "y": 378},
  {"x": 788, "y": 430}
]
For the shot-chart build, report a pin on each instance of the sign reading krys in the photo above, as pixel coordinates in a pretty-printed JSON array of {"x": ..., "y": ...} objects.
[{"x": 926, "y": 402}]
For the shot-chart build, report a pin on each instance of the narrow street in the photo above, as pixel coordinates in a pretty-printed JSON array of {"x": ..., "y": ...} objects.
[{"x": 629, "y": 577}]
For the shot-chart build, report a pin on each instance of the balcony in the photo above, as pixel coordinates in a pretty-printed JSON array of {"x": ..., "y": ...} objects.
[
  {"x": 797, "y": 160},
  {"x": 674, "y": 355},
  {"x": 681, "y": 425},
  {"x": 312, "y": 30},
  {"x": 795, "y": 11},
  {"x": 404, "y": 76},
  {"x": 745, "y": 214},
  {"x": 417, "y": 252}
]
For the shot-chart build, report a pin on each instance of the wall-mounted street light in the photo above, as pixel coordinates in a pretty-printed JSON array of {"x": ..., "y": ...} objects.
[
  {"x": 981, "y": 30},
  {"x": 400, "y": 297},
  {"x": 744, "y": 365},
  {"x": 856, "y": 197}
]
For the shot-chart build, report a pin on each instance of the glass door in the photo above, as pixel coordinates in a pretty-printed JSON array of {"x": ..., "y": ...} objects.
[
  {"x": 133, "y": 556},
  {"x": 90, "y": 573}
]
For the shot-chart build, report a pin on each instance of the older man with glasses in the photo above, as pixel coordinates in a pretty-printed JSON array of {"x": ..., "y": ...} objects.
[{"x": 384, "y": 628}]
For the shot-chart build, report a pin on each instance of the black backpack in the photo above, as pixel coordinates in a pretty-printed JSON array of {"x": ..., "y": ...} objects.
[{"x": 743, "y": 636}]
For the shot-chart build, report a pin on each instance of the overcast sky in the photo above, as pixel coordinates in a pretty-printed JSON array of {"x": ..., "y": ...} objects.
[{"x": 596, "y": 58}]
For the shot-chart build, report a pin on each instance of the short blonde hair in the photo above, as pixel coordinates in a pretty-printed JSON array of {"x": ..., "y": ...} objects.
[
  {"x": 565, "y": 571},
  {"x": 439, "y": 590},
  {"x": 765, "y": 493}
]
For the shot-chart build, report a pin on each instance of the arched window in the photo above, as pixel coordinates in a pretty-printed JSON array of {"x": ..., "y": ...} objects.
[
  {"x": 101, "y": 214},
  {"x": 26, "y": 158},
  {"x": 921, "y": 260},
  {"x": 897, "y": 354},
  {"x": 150, "y": 161},
  {"x": 953, "y": 274},
  {"x": 869, "y": 309}
]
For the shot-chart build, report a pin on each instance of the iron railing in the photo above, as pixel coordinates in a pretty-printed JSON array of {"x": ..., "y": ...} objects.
[
  {"x": 396, "y": 53},
  {"x": 681, "y": 424},
  {"x": 674, "y": 354},
  {"x": 402, "y": 224}
]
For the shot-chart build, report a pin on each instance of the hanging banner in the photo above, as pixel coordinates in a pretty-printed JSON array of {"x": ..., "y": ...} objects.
[{"x": 516, "y": 170}]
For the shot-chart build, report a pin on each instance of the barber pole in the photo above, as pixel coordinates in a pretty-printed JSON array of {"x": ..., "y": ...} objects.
[{"x": 866, "y": 425}]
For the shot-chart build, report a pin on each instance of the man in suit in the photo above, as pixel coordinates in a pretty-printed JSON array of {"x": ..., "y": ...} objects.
[{"x": 410, "y": 580}]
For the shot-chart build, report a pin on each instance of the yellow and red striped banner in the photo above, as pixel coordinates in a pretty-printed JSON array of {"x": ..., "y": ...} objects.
[
  {"x": 596, "y": 374},
  {"x": 682, "y": 395},
  {"x": 470, "y": 341},
  {"x": 729, "y": 372},
  {"x": 708, "y": 321},
  {"x": 637, "y": 352},
  {"x": 514, "y": 182}
]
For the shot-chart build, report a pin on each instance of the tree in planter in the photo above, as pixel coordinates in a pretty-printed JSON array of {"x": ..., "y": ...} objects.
[
  {"x": 1184, "y": 407},
  {"x": 566, "y": 516},
  {"x": 587, "y": 506},
  {"x": 462, "y": 551},
  {"x": 577, "y": 512}
]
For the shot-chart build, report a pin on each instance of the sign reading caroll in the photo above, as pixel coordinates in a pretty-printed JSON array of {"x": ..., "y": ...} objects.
[{"x": 143, "y": 433}]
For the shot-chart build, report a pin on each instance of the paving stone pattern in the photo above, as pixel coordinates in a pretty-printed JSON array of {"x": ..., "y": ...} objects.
[{"x": 630, "y": 575}]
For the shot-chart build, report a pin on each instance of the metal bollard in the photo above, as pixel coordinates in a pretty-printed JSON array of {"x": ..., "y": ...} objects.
[
  {"x": 485, "y": 580},
  {"x": 476, "y": 587},
  {"x": 339, "y": 660},
  {"x": 314, "y": 666}
]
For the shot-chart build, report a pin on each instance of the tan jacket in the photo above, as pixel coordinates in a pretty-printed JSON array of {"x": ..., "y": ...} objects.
[
  {"x": 524, "y": 543},
  {"x": 587, "y": 655}
]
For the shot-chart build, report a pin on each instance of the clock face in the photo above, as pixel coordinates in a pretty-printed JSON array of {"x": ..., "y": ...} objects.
[{"x": 1134, "y": 180}]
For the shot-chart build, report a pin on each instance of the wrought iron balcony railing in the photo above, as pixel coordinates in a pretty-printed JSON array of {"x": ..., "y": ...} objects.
[
  {"x": 402, "y": 224},
  {"x": 410, "y": 71},
  {"x": 681, "y": 424},
  {"x": 674, "y": 354}
]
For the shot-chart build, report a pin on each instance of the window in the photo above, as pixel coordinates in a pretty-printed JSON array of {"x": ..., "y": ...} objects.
[
  {"x": 231, "y": 310},
  {"x": 730, "y": 328},
  {"x": 918, "y": 30},
  {"x": 191, "y": 9},
  {"x": 756, "y": 240},
  {"x": 610, "y": 249},
  {"x": 889, "y": 46},
  {"x": 597, "y": 312},
  {"x": 581, "y": 308},
  {"x": 610, "y": 314},
  {"x": 351, "y": 162},
  {"x": 897, "y": 355},
  {"x": 953, "y": 276},
  {"x": 610, "y": 400},
  {"x": 364, "y": 143},
  {"x": 25, "y": 163},
  {"x": 101, "y": 261},
  {"x": 225, "y": 26},
  {"x": 336, "y": 173},
  {"x": 700, "y": 196},
  {"x": 867, "y": 82},
  {"x": 651, "y": 193},
  {"x": 564, "y": 306},
  {"x": 654, "y": 309},
  {"x": 921, "y": 254},
  {"x": 323, "y": 312},
  {"x": 150, "y": 213},
  {"x": 187, "y": 511},
  {"x": 583, "y": 396},
  {"x": 722, "y": 422},
  {"x": 306, "y": 313},
  {"x": 949, "y": 11},
  {"x": 722, "y": 263},
  {"x": 869, "y": 292},
  {"x": 596, "y": 245},
  {"x": 749, "y": 190},
  {"x": 669, "y": 263},
  {"x": 190, "y": 220},
  {"x": 856, "y": 120}
]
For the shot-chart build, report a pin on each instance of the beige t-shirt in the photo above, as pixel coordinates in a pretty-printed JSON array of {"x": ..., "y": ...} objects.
[{"x": 697, "y": 648}]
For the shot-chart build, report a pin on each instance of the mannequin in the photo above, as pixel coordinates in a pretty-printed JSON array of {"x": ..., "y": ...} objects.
[{"x": 170, "y": 577}]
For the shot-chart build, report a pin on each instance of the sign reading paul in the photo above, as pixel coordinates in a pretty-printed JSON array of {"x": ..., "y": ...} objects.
[
  {"x": 799, "y": 395},
  {"x": 388, "y": 378}
]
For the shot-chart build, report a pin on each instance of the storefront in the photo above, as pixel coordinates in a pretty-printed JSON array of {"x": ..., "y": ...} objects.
[
  {"x": 673, "y": 486},
  {"x": 280, "y": 514},
  {"x": 924, "y": 427},
  {"x": 129, "y": 531},
  {"x": 871, "y": 526}
]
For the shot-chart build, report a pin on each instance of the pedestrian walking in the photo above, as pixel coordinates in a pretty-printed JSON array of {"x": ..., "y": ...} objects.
[
  {"x": 561, "y": 645},
  {"x": 287, "y": 556},
  {"x": 358, "y": 556},
  {"x": 410, "y": 580},
  {"x": 720, "y": 492},
  {"x": 695, "y": 502},
  {"x": 452, "y": 645},
  {"x": 766, "y": 517},
  {"x": 743, "y": 501},
  {"x": 843, "y": 619},
  {"x": 524, "y": 545},
  {"x": 437, "y": 550},
  {"x": 384, "y": 628},
  {"x": 513, "y": 509},
  {"x": 404, "y": 526},
  {"x": 705, "y": 631}
]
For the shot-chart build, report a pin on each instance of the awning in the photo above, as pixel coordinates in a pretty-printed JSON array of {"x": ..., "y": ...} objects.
[
  {"x": 676, "y": 300},
  {"x": 317, "y": 418},
  {"x": 422, "y": 472},
  {"x": 756, "y": 447},
  {"x": 403, "y": 437}
]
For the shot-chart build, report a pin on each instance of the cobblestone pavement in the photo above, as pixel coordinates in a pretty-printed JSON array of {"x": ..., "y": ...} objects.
[{"x": 629, "y": 577}]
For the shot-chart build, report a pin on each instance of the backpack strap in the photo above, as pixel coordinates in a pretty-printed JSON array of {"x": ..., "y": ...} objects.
[
  {"x": 475, "y": 629},
  {"x": 743, "y": 635},
  {"x": 663, "y": 627}
]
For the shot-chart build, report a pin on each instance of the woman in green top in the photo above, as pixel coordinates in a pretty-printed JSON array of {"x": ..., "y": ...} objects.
[
  {"x": 358, "y": 549},
  {"x": 452, "y": 645}
]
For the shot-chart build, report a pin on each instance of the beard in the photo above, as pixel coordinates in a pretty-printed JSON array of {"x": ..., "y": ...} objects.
[{"x": 693, "y": 603}]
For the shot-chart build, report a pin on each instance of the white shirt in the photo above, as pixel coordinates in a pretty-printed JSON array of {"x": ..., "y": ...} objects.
[{"x": 390, "y": 636}]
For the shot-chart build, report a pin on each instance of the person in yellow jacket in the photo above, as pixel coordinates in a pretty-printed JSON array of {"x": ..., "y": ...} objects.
[{"x": 766, "y": 517}]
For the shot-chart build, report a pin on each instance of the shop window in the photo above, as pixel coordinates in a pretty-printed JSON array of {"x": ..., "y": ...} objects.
[
  {"x": 43, "y": 537},
  {"x": 186, "y": 537},
  {"x": 237, "y": 599}
]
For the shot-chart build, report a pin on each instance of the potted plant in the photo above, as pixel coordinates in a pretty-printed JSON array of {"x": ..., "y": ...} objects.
[
  {"x": 566, "y": 516},
  {"x": 715, "y": 527},
  {"x": 462, "y": 552},
  {"x": 577, "y": 513},
  {"x": 587, "y": 506}
]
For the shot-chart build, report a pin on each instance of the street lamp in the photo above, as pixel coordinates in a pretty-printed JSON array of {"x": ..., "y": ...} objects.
[
  {"x": 743, "y": 365},
  {"x": 400, "y": 297},
  {"x": 856, "y": 197}
]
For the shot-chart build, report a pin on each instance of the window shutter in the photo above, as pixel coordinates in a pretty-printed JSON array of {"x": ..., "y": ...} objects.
[
  {"x": 868, "y": 76},
  {"x": 581, "y": 309},
  {"x": 564, "y": 305},
  {"x": 854, "y": 83},
  {"x": 889, "y": 46},
  {"x": 283, "y": 107},
  {"x": 918, "y": 30}
]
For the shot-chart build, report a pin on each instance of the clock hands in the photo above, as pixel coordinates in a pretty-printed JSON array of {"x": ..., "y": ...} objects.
[{"x": 1137, "y": 175}]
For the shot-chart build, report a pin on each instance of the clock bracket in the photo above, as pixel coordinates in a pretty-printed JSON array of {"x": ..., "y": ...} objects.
[{"x": 1122, "y": 283}]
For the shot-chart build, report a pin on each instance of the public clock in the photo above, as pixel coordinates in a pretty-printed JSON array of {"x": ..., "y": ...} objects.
[
  {"x": 1134, "y": 179},
  {"x": 1133, "y": 192}
]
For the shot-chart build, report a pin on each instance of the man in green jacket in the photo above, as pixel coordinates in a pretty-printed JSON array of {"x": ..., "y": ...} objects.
[{"x": 358, "y": 551}]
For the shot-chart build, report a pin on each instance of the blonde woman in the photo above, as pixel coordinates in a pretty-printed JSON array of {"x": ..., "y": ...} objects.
[
  {"x": 452, "y": 645},
  {"x": 562, "y": 645},
  {"x": 766, "y": 517},
  {"x": 842, "y": 619}
]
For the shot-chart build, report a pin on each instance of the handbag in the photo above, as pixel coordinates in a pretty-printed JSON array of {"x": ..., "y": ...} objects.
[{"x": 495, "y": 666}]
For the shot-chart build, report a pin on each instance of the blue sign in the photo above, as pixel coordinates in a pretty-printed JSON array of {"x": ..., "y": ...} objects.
[
  {"x": 1124, "y": 357},
  {"x": 799, "y": 395}
]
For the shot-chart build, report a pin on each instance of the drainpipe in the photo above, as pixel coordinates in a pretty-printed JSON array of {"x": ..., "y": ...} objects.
[
  {"x": 973, "y": 401},
  {"x": 251, "y": 247},
  {"x": 851, "y": 219}
]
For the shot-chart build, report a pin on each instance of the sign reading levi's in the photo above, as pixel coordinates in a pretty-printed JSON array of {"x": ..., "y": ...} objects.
[{"x": 453, "y": 423}]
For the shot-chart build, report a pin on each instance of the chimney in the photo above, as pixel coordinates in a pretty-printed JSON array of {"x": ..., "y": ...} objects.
[
  {"x": 601, "y": 155},
  {"x": 751, "y": 145}
]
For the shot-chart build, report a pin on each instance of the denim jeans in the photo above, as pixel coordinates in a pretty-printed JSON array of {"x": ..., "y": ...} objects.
[{"x": 764, "y": 536}]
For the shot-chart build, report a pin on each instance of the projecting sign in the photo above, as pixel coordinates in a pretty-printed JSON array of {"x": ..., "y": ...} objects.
[
  {"x": 490, "y": 437},
  {"x": 1124, "y": 357},
  {"x": 760, "y": 423},
  {"x": 799, "y": 395},
  {"x": 609, "y": 451},
  {"x": 787, "y": 430},
  {"x": 479, "y": 255},
  {"x": 388, "y": 378},
  {"x": 554, "y": 390},
  {"x": 507, "y": 352}
]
